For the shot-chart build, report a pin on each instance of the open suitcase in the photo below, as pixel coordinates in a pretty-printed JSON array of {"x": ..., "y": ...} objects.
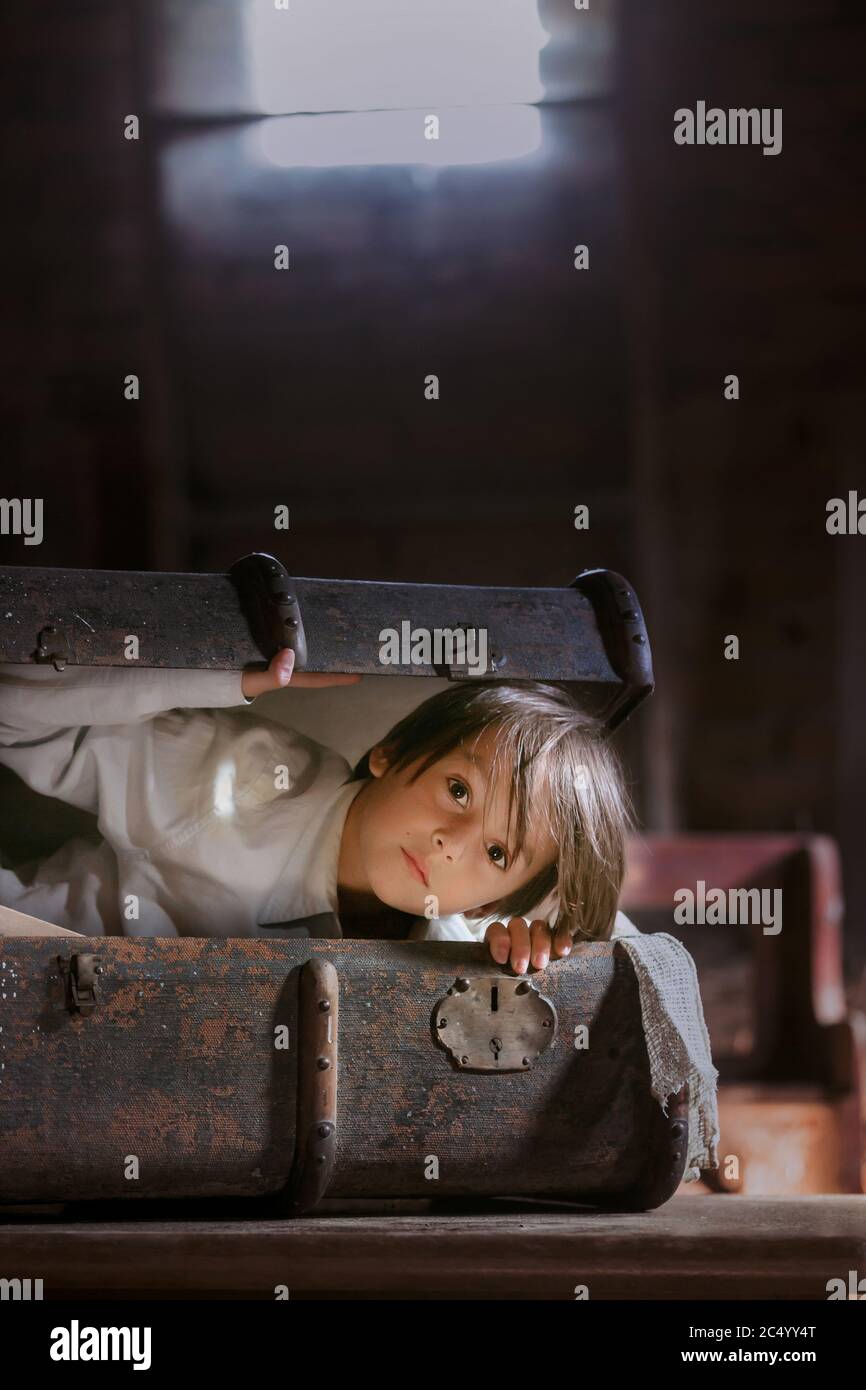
[{"x": 307, "y": 1069}]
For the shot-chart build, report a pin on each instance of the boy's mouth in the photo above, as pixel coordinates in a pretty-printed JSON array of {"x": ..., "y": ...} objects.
[{"x": 414, "y": 866}]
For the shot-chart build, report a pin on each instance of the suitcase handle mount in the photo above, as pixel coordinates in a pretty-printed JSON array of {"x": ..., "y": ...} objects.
[{"x": 270, "y": 605}]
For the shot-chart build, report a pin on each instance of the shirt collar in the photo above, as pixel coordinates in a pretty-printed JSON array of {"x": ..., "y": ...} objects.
[{"x": 308, "y": 883}]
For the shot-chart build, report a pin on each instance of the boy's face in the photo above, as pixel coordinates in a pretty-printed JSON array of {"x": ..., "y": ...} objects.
[{"x": 448, "y": 823}]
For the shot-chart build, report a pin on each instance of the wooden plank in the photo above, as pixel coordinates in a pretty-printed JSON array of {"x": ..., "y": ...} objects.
[{"x": 709, "y": 1248}]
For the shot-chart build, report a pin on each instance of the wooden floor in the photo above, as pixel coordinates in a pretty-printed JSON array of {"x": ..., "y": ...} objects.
[{"x": 717, "y": 1247}]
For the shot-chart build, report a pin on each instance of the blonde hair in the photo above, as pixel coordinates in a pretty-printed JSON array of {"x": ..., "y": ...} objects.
[{"x": 562, "y": 772}]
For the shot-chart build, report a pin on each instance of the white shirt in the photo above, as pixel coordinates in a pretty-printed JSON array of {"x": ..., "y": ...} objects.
[
  {"x": 459, "y": 928},
  {"x": 212, "y": 820}
]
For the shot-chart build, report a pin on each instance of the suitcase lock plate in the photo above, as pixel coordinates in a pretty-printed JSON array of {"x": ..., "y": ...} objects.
[{"x": 495, "y": 1023}]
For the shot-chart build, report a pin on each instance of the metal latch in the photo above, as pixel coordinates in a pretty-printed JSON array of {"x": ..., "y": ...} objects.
[
  {"x": 51, "y": 645},
  {"x": 79, "y": 974},
  {"x": 495, "y": 1023}
]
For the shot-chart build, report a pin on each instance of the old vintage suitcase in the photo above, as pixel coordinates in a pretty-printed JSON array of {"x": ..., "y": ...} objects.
[
  {"x": 298, "y": 1068},
  {"x": 190, "y": 1067}
]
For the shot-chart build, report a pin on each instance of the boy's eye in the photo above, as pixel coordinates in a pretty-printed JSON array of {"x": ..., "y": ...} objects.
[
  {"x": 464, "y": 790},
  {"x": 454, "y": 782}
]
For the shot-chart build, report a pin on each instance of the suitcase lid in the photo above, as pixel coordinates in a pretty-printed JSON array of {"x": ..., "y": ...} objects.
[{"x": 589, "y": 636}]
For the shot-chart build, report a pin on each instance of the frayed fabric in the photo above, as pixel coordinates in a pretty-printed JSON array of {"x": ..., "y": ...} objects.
[{"x": 678, "y": 1044}]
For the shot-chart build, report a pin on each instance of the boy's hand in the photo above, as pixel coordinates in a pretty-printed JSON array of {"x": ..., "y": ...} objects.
[
  {"x": 279, "y": 673},
  {"x": 521, "y": 941}
]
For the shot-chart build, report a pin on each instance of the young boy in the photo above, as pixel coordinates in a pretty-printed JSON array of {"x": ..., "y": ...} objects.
[{"x": 484, "y": 803}]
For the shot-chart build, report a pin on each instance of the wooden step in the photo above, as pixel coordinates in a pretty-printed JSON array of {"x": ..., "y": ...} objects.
[{"x": 722, "y": 1248}]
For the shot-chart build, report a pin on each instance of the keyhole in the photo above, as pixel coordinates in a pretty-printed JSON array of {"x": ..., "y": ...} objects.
[
  {"x": 494, "y": 999},
  {"x": 496, "y": 1048}
]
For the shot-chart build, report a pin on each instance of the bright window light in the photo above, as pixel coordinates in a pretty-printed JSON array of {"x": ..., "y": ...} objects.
[
  {"x": 466, "y": 136},
  {"x": 364, "y": 55}
]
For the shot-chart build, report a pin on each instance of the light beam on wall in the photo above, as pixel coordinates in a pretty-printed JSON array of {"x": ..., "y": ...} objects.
[
  {"x": 466, "y": 136},
  {"x": 471, "y": 63},
  {"x": 356, "y": 55}
]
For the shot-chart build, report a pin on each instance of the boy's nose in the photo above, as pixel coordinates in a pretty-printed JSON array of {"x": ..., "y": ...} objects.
[{"x": 451, "y": 846}]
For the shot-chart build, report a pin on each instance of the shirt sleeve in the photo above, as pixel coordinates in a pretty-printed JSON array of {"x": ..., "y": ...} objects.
[{"x": 72, "y": 734}]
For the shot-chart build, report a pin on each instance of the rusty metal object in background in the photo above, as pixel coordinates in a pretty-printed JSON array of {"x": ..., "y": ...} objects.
[
  {"x": 316, "y": 1136},
  {"x": 493, "y": 1023}
]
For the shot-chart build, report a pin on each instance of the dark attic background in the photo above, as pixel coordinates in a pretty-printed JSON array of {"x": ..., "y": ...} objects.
[{"x": 558, "y": 386}]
